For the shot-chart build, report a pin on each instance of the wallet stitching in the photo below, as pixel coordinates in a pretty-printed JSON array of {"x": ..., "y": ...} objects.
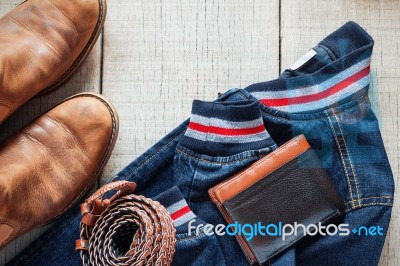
[
  {"x": 348, "y": 155},
  {"x": 342, "y": 158},
  {"x": 223, "y": 185}
]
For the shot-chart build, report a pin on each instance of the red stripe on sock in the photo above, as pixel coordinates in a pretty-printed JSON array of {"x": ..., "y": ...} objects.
[
  {"x": 226, "y": 131},
  {"x": 320, "y": 95},
  {"x": 179, "y": 213}
]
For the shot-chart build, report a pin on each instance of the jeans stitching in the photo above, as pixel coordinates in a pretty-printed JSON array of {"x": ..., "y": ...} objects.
[
  {"x": 376, "y": 197},
  {"x": 217, "y": 163},
  {"x": 384, "y": 201},
  {"x": 388, "y": 204},
  {"x": 341, "y": 155},
  {"x": 244, "y": 96},
  {"x": 348, "y": 155},
  {"x": 190, "y": 237},
  {"x": 192, "y": 183}
]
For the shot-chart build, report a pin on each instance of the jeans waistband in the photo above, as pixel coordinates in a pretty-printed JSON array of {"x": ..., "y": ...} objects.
[{"x": 338, "y": 68}]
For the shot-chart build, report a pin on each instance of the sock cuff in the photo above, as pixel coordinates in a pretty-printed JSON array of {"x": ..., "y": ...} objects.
[
  {"x": 226, "y": 128},
  {"x": 173, "y": 200}
]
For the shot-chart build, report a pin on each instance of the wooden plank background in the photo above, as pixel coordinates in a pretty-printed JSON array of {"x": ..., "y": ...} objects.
[{"x": 155, "y": 57}]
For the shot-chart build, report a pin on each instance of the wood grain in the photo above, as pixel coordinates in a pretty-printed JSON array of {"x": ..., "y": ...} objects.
[
  {"x": 305, "y": 23},
  {"x": 157, "y": 56}
]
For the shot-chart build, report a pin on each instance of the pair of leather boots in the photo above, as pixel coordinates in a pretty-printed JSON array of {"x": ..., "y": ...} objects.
[{"x": 49, "y": 165}]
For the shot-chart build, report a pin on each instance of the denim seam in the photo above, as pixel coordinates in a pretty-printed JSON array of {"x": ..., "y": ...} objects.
[
  {"x": 244, "y": 96},
  {"x": 385, "y": 201},
  {"x": 377, "y": 197},
  {"x": 332, "y": 56},
  {"x": 217, "y": 163},
  {"x": 342, "y": 158},
  {"x": 192, "y": 183},
  {"x": 348, "y": 155},
  {"x": 149, "y": 159},
  {"x": 189, "y": 237},
  {"x": 369, "y": 204},
  {"x": 321, "y": 118},
  {"x": 376, "y": 203}
]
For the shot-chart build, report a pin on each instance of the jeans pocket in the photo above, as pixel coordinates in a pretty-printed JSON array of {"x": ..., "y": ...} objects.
[{"x": 361, "y": 155}]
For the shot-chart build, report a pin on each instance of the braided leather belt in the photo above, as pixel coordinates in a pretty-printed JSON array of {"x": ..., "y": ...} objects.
[{"x": 125, "y": 229}]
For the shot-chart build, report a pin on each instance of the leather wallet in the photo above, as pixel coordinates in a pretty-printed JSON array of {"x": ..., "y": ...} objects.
[{"x": 287, "y": 186}]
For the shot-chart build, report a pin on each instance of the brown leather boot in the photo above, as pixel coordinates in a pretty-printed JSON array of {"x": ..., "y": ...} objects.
[
  {"x": 49, "y": 165},
  {"x": 42, "y": 43}
]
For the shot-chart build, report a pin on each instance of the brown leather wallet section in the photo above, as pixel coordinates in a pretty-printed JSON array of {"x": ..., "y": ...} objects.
[
  {"x": 287, "y": 186},
  {"x": 241, "y": 181}
]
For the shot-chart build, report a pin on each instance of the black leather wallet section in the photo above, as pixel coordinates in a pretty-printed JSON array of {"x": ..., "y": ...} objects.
[{"x": 297, "y": 190}]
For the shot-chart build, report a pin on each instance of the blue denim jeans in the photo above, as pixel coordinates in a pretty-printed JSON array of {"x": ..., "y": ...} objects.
[{"x": 326, "y": 99}]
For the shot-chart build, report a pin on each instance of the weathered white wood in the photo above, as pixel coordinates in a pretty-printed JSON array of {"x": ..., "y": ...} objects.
[
  {"x": 161, "y": 55},
  {"x": 87, "y": 78},
  {"x": 304, "y": 23}
]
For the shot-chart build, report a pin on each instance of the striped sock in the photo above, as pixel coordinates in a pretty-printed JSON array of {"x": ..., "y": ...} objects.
[
  {"x": 226, "y": 128},
  {"x": 173, "y": 200}
]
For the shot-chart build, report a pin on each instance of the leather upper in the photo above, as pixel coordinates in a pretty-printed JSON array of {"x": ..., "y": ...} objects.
[
  {"x": 40, "y": 41},
  {"x": 47, "y": 166}
]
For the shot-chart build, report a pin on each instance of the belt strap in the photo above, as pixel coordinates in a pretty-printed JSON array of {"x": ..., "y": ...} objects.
[{"x": 125, "y": 229}]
